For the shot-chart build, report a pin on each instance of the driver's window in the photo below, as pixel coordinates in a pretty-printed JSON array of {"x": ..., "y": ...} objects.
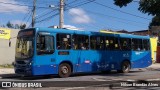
[{"x": 45, "y": 44}]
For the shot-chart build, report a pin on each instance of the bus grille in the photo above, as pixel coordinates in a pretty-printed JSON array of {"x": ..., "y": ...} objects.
[{"x": 20, "y": 62}]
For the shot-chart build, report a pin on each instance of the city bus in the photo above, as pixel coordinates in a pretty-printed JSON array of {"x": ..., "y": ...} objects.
[{"x": 47, "y": 51}]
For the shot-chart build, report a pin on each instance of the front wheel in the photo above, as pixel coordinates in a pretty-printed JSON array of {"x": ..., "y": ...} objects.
[
  {"x": 64, "y": 70},
  {"x": 125, "y": 67}
]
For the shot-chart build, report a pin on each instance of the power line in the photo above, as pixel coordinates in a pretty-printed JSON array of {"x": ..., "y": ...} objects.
[
  {"x": 22, "y": 5},
  {"x": 64, "y": 10},
  {"x": 121, "y": 11},
  {"x": 82, "y": 3},
  {"x": 113, "y": 17},
  {"x": 47, "y": 18}
]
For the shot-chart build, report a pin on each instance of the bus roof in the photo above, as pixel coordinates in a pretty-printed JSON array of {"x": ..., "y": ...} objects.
[{"x": 57, "y": 30}]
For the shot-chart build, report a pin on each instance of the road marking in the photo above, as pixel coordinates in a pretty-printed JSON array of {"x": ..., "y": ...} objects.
[
  {"x": 73, "y": 88},
  {"x": 97, "y": 79},
  {"x": 101, "y": 79},
  {"x": 116, "y": 79},
  {"x": 131, "y": 80},
  {"x": 84, "y": 87},
  {"x": 157, "y": 79}
]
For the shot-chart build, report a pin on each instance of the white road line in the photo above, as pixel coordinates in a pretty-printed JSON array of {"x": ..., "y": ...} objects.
[
  {"x": 157, "y": 79},
  {"x": 84, "y": 87},
  {"x": 73, "y": 88},
  {"x": 131, "y": 80},
  {"x": 116, "y": 79},
  {"x": 97, "y": 79}
]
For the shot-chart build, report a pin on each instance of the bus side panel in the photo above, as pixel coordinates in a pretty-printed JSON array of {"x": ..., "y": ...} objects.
[
  {"x": 141, "y": 59},
  {"x": 43, "y": 65},
  {"x": 83, "y": 60}
]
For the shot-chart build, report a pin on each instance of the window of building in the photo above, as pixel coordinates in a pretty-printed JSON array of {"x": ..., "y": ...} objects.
[
  {"x": 125, "y": 43},
  {"x": 63, "y": 41},
  {"x": 45, "y": 44},
  {"x": 80, "y": 42},
  {"x": 97, "y": 42}
]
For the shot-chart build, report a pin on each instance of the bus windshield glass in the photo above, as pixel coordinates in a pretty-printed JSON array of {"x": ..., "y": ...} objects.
[{"x": 24, "y": 46}]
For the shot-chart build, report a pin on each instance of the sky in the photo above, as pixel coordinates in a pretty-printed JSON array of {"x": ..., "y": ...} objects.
[{"x": 78, "y": 14}]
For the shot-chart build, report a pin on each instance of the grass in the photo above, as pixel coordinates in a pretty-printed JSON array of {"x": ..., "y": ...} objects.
[{"x": 6, "y": 66}]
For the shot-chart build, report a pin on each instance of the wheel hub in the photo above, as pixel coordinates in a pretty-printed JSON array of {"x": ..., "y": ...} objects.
[{"x": 64, "y": 70}]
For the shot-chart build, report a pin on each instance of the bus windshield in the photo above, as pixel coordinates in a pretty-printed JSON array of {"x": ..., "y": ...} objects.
[{"x": 24, "y": 47}]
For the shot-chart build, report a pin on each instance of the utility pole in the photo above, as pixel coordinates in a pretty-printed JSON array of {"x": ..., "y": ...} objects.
[
  {"x": 61, "y": 16},
  {"x": 34, "y": 13}
]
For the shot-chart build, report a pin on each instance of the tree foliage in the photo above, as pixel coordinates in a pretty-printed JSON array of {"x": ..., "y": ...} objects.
[
  {"x": 155, "y": 22},
  {"x": 15, "y": 26},
  {"x": 150, "y": 7},
  {"x": 9, "y": 25},
  {"x": 122, "y": 3},
  {"x": 22, "y": 26}
]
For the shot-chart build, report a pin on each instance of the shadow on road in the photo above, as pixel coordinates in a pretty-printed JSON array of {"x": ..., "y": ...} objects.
[{"x": 20, "y": 77}]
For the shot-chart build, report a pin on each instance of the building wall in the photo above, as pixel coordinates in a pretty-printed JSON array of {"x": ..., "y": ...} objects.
[{"x": 7, "y": 53}]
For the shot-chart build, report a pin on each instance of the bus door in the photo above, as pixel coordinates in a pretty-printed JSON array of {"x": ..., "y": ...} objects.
[
  {"x": 45, "y": 57},
  {"x": 80, "y": 53},
  {"x": 112, "y": 52}
]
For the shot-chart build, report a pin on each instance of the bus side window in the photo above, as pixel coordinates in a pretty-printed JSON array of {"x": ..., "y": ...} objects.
[
  {"x": 137, "y": 44},
  {"x": 125, "y": 43},
  {"x": 45, "y": 44},
  {"x": 116, "y": 44},
  {"x": 109, "y": 43},
  {"x": 146, "y": 45},
  {"x": 80, "y": 42},
  {"x": 97, "y": 42},
  {"x": 63, "y": 41}
]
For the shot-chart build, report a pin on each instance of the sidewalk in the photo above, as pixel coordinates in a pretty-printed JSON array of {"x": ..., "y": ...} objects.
[
  {"x": 6, "y": 70},
  {"x": 155, "y": 66}
]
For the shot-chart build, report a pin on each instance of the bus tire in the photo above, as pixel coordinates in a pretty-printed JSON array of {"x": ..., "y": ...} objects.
[
  {"x": 125, "y": 67},
  {"x": 64, "y": 70}
]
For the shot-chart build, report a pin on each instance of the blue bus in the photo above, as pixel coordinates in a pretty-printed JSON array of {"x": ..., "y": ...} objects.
[{"x": 45, "y": 51}]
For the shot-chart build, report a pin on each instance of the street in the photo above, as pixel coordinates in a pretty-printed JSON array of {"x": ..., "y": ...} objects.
[{"x": 100, "y": 81}]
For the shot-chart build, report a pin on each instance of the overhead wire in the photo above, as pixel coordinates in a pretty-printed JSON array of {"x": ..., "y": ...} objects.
[{"x": 120, "y": 11}]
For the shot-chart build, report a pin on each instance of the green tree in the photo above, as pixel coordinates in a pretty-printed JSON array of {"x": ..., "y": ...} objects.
[
  {"x": 9, "y": 25},
  {"x": 16, "y": 26},
  {"x": 22, "y": 26},
  {"x": 150, "y": 7},
  {"x": 155, "y": 21}
]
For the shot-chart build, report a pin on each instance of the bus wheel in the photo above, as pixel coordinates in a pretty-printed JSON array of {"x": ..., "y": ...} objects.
[
  {"x": 125, "y": 67},
  {"x": 64, "y": 70}
]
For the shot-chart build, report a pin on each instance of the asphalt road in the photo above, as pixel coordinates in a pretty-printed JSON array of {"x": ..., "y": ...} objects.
[{"x": 94, "y": 81}]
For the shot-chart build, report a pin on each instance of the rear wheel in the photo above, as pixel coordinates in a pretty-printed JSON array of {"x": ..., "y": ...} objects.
[
  {"x": 64, "y": 70},
  {"x": 125, "y": 67}
]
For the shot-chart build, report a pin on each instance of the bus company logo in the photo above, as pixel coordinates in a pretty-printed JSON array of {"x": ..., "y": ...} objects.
[
  {"x": 6, "y": 84},
  {"x": 126, "y": 55}
]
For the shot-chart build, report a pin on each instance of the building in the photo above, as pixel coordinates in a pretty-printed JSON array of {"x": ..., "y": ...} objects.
[{"x": 7, "y": 53}]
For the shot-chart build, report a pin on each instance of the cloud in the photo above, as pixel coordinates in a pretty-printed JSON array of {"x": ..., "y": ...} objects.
[
  {"x": 19, "y": 22},
  {"x": 8, "y": 6},
  {"x": 79, "y": 16},
  {"x": 71, "y": 27}
]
